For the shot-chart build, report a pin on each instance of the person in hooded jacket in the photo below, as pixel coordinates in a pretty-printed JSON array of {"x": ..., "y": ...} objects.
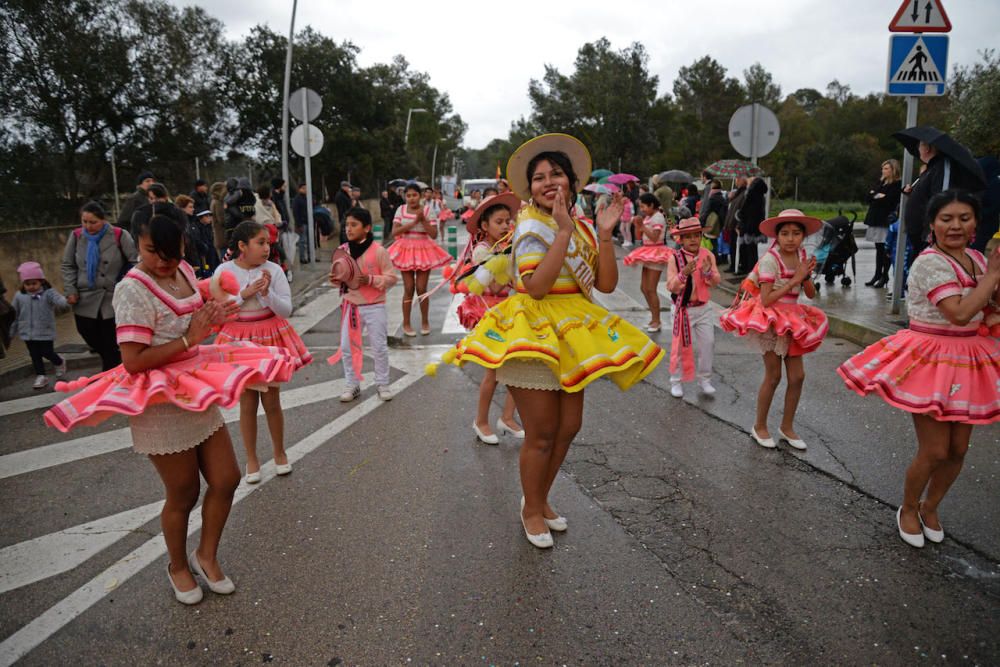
[
  {"x": 735, "y": 203},
  {"x": 713, "y": 211},
  {"x": 241, "y": 203},
  {"x": 989, "y": 221},
  {"x": 749, "y": 217},
  {"x": 218, "y": 209}
]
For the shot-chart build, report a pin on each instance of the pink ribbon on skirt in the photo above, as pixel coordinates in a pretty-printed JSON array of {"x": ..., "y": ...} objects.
[{"x": 351, "y": 318}]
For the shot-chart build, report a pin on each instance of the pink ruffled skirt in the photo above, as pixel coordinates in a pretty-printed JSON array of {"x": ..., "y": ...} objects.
[
  {"x": 946, "y": 376},
  {"x": 653, "y": 257},
  {"x": 417, "y": 254},
  {"x": 206, "y": 376},
  {"x": 805, "y": 326},
  {"x": 272, "y": 331}
]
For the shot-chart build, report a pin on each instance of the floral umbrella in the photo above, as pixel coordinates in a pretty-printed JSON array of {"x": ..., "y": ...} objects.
[
  {"x": 601, "y": 188},
  {"x": 622, "y": 179},
  {"x": 733, "y": 169},
  {"x": 601, "y": 173}
]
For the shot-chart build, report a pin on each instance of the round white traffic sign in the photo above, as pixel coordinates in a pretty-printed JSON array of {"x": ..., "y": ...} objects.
[
  {"x": 307, "y": 139},
  {"x": 305, "y": 104},
  {"x": 741, "y": 130}
]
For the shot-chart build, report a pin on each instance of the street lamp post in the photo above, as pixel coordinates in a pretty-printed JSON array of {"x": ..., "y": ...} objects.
[{"x": 409, "y": 115}]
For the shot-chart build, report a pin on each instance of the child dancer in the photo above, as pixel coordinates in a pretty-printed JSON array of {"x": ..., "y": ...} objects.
[
  {"x": 171, "y": 388},
  {"x": 490, "y": 224},
  {"x": 625, "y": 226},
  {"x": 654, "y": 255},
  {"x": 944, "y": 368},
  {"x": 414, "y": 253},
  {"x": 265, "y": 300},
  {"x": 550, "y": 340},
  {"x": 364, "y": 307},
  {"x": 690, "y": 277},
  {"x": 35, "y": 307},
  {"x": 767, "y": 310}
]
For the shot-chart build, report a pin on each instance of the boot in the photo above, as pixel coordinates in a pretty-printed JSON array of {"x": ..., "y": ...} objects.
[{"x": 879, "y": 270}]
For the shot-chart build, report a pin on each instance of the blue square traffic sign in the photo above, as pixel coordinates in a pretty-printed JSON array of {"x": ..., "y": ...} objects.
[{"x": 918, "y": 64}]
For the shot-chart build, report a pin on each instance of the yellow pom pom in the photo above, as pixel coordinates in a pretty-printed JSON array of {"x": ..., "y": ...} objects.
[
  {"x": 475, "y": 287},
  {"x": 431, "y": 370}
]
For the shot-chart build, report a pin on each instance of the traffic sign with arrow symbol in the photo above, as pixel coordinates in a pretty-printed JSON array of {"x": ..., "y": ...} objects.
[{"x": 920, "y": 16}]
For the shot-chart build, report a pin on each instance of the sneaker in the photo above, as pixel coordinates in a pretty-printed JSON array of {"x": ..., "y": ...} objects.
[
  {"x": 351, "y": 394},
  {"x": 61, "y": 369},
  {"x": 384, "y": 393},
  {"x": 626, "y": 244},
  {"x": 676, "y": 390},
  {"x": 41, "y": 382},
  {"x": 707, "y": 388}
]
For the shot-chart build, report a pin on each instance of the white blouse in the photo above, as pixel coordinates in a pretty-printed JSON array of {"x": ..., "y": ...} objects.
[{"x": 278, "y": 299}]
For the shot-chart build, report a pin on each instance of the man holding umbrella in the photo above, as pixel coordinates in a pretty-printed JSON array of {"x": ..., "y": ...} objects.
[{"x": 950, "y": 165}]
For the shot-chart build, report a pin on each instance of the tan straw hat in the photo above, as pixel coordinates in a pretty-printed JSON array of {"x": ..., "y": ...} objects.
[
  {"x": 573, "y": 148},
  {"x": 508, "y": 199},
  {"x": 769, "y": 227}
]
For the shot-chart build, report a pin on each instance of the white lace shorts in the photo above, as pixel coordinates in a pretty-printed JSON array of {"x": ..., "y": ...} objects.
[{"x": 528, "y": 374}]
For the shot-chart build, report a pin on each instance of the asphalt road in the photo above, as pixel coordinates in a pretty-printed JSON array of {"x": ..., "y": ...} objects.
[{"x": 396, "y": 539}]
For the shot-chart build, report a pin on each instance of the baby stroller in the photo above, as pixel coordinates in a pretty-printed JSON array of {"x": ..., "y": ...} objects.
[{"x": 836, "y": 248}]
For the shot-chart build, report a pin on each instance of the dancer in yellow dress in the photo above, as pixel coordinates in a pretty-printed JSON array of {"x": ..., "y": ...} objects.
[{"x": 548, "y": 341}]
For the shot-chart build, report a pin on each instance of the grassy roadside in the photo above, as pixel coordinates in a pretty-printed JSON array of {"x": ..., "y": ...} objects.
[{"x": 821, "y": 210}]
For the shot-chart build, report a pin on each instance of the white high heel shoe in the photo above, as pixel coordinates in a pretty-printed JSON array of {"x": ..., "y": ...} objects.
[
  {"x": 193, "y": 596},
  {"x": 224, "y": 586},
  {"x": 503, "y": 429},
  {"x": 483, "y": 438},
  {"x": 913, "y": 539},
  {"x": 542, "y": 540}
]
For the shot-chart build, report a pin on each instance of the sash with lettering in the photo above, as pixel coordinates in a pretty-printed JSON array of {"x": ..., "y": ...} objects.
[
  {"x": 581, "y": 254},
  {"x": 681, "y": 348}
]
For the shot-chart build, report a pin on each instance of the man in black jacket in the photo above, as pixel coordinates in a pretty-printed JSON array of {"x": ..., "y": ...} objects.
[
  {"x": 136, "y": 200},
  {"x": 300, "y": 211},
  {"x": 342, "y": 200},
  {"x": 202, "y": 200},
  {"x": 278, "y": 197},
  {"x": 241, "y": 204},
  {"x": 158, "y": 204}
]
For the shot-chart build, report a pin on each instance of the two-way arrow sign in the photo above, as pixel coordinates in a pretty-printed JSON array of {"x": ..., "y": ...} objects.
[{"x": 920, "y": 16}]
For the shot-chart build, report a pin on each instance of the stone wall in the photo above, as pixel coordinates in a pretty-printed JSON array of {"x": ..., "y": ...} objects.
[{"x": 44, "y": 245}]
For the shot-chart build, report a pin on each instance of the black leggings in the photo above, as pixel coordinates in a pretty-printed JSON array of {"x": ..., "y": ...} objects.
[
  {"x": 42, "y": 349},
  {"x": 100, "y": 335}
]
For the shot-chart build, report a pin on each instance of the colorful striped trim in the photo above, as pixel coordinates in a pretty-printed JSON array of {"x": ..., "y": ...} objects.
[
  {"x": 133, "y": 333},
  {"x": 938, "y": 330},
  {"x": 943, "y": 291}
]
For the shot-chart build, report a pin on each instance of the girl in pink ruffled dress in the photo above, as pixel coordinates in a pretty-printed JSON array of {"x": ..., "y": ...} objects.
[
  {"x": 265, "y": 300},
  {"x": 768, "y": 312},
  {"x": 654, "y": 255},
  {"x": 490, "y": 224},
  {"x": 415, "y": 254},
  {"x": 171, "y": 387},
  {"x": 944, "y": 368}
]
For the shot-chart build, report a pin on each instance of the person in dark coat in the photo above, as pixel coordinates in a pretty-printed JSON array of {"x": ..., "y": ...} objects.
[
  {"x": 989, "y": 221},
  {"x": 203, "y": 238},
  {"x": 278, "y": 186},
  {"x": 342, "y": 201},
  {"x": 158, "y": 204},
  {"x": 883, "y": 207},
  {"x": 136, "y": 200},
  {"x": 241, "y": 204},
  {"x": 736, "y": 198},
  {"x": 749, "y": 217},
  {"x": 387, "y": 211},
  {"x": 300, "y": 211},
  {"x": 202, "y": 200}
]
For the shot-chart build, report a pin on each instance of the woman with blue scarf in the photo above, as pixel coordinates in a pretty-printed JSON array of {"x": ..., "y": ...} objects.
[{"x": 97, "y": 256}]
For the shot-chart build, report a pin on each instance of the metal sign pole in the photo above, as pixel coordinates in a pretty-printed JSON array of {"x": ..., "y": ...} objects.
[
  {"x": 309, "y": 200},
  {"x": 284, "y": 121},
  {"x": 897, "y": 278},
  {"x": 114, "y": 181}
]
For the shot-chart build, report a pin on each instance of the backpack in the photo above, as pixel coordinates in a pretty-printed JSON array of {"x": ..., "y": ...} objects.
[{"x": 126, "y": 265}]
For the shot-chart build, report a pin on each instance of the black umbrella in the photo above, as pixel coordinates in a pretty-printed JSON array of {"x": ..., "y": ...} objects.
[
  {"x": 960, "y": 156},
  {"x": 398, "y": 182}
]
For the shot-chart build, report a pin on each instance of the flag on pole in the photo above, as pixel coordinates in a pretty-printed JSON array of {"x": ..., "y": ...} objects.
[{"x": 499, "y": 173}]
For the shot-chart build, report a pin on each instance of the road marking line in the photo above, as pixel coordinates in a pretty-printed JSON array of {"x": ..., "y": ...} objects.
[
  {"x": 46, "y": 556},
  {"x": 618, "y": 301},
  {"x": 56, "y": 617},
  {"x": 16, "y": 405},
  {"x": 451, "y": 324}
]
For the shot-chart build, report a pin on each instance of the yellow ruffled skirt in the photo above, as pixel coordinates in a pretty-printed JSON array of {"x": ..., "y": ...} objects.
[{"x": 578, "y": 340}]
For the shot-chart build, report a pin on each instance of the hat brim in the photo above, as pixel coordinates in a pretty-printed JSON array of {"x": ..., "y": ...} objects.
[
  {"x": 507, "y": 199},
  {"x": 677, "y": 233},
  {"x": 769, "y": 227},
  {"x": 517, "y": 165},
  {"x": 345, "y": 269}
]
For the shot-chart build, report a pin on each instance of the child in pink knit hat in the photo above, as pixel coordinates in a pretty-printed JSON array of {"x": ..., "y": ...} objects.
[{"x": 35, "y": 307}]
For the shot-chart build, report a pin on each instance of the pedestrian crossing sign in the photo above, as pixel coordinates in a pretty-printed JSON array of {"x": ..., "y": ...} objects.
[{"x": 918, "y": 65}]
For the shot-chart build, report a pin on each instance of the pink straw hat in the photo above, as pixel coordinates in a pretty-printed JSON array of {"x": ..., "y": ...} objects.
[
  {"x": 769, "y": 227},
  {"x": 344, "y": 269},
  {"x": 686, "y": 225},
  {"x": 507, "y": 199}
]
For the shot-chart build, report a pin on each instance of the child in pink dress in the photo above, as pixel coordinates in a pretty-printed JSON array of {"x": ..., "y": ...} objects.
[
  {"x": 653, "y": 255},
  {"x": 691, "y": 275},
  {"x": 414, "y": 254},
  {"x": 363, "y": 307},
  {"x": 265, "y": 300},
  {"x": 171, "y": 387},
  {"x": 768, "y": 312},
  {"x": 944, "y": 368},
  {"x": 490, "y": 224}
]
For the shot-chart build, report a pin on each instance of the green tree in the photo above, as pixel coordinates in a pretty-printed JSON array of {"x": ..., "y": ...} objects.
[
  {"x": 975, "y": 104},
  {"x": 760, "y": 87}
]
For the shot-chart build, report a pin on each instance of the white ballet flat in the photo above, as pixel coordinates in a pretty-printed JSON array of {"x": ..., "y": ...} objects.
[
  {"x": 483, "y": 438},
  {"x": 193, "y": 596},
  {"x": 253, "y": 477},
  {"x": 224, "y": 586},
  {"x": 542, "y": 540},
  {"x": 763, "y": 442},
  {"x": 914, "y": 540},
  {"x": 792, "y": 442},
  {"x": 282, "y": 468},
  {"x": 503, "y": 429},
  {"x": 558, "y": 524}
]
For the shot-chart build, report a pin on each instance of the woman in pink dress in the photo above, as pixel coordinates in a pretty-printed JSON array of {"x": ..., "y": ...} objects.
[
  {"x": 414, "y": 253},
  {"x": 768, "y": 313},
  {"x": 654, "y": 255},
  {"x": 944, "y": 368},
  {"x": 171, "y": 387}
]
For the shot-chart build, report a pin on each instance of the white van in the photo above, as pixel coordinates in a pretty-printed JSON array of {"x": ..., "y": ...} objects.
[{"x": 470, "y": 184}]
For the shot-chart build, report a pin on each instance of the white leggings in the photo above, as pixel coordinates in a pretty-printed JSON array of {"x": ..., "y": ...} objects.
[
  {"x": 374, "y": 322},
  {"x": 702, "y": 321},
  {"x": 625, "y": 227}
]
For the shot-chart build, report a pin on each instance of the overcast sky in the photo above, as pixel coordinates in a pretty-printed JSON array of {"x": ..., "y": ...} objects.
[{"x": 483, "y": 54}]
